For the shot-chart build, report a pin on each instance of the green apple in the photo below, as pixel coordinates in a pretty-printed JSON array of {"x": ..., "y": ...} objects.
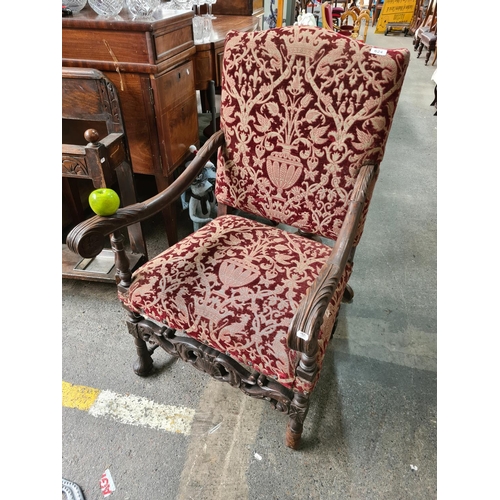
[{"x": 104, "y": 201}]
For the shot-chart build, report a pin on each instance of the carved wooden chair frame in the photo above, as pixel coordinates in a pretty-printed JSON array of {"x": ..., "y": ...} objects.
[{"x": 88, "y": 238}]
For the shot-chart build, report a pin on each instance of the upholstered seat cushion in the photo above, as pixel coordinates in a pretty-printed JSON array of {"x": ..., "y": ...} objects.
[
  {"x": 235, "y": 285},
  {"x": 428, "y": 39}
]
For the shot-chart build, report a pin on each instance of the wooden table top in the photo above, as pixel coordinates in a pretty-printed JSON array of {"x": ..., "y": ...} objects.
[
  {"x": 222, "y": 24},
  {"x": 87, "y": 18}
]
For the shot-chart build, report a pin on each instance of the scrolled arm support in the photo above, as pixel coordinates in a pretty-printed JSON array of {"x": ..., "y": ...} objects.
[
  {"x": 304, "y": 328},
  {"x": 88, "y": 238}
]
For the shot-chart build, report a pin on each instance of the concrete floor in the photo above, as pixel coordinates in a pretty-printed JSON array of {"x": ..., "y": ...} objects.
[{"x": 371, "y": 428}]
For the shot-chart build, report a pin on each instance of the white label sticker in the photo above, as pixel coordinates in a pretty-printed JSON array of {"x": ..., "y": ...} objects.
[
  {"x": 107, "y": 484},
  {"x": 302, "y": 335},
  {"x": 380, "y": 52}
]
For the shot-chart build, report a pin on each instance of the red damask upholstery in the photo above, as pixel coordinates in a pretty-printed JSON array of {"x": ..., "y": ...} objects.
[
  {"x": 302, "y": 111},
  {"x": 235, "y": 285},
  {"x": 305, "y": 117}
]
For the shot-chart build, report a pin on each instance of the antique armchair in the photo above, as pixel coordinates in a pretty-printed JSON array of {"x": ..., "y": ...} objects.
[{"x": 252, "y": 297}]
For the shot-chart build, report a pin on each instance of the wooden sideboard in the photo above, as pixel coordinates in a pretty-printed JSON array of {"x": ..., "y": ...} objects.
[
  {"x": 151, "y": 63},
  {"x": 156, "y": 69},
  {"x": 238, "y": 7},
  {"x": 208, "y": 64}
]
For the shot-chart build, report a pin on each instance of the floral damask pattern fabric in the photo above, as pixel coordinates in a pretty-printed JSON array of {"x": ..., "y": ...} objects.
[
  {"x": 235, "y": 285},
  {"x": 302, "y": 109}
]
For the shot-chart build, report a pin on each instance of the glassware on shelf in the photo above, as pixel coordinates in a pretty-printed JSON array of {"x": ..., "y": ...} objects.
[
  {"x": 198, "y": 29},
  {"x": 207, "y": 29},
  {"x": 198, "y": 4},
  {"x": 142, "y": 8},
  {"x": 182, "y": 4},
  {"x": 209, "y": 13},
  {"x": 75, "y": 5},
  {"x": 107, "y": 7},
  {"x": 202, "y": 29}
]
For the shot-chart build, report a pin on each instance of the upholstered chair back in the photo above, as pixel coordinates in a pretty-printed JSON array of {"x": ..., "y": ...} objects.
[{"x": 302, "y": 109}]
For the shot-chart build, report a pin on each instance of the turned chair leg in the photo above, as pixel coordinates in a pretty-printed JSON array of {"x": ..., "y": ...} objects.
[
  {"x": 144, "y": 362},
  {"x": 298, "y": 411},
  {"x": 428, "y": 55},
  {"x": 435, "y": 101}
]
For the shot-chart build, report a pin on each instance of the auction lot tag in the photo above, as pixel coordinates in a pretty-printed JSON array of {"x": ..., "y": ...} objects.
[
  {"x": 107, "y": 484},
  {"x": 380, "y": 52},
  {"x": 302, "y": 335}
]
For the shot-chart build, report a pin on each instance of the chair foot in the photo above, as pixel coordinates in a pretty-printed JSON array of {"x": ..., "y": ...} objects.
[
  {"x": 298, "y": 412},
  {"x": 144, "y": 362},
  {"x": 348, "y": 294},
  {"x": 292, "y": 439}
]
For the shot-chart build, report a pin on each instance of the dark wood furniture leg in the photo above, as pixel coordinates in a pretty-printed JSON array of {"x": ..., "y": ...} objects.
[
  {"x": 298, "y": 412},
  {"x": 211, "y": 104},
  {"x": 144, "y": 363},
  {"x": 435, "y": 101}
]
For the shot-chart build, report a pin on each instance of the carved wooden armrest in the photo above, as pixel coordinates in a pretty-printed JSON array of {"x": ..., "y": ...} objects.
[
  {"x": 88, "y": 238},
  {"x": 304, "y": 329}
]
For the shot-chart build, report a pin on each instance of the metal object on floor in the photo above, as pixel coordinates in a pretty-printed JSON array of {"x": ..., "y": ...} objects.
[
  {"x": 72, "y": 490},
  {"x": 397, "y": 28}
]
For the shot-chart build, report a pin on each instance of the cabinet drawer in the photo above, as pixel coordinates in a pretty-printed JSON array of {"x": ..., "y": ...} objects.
[
  {"x": 174, "y": 86},
  {"x": 171, "y": 43},
  {"x": 105, "y": 45},
  {"x": 176, "y": 107},
  {"x": 179, "y": 129}
]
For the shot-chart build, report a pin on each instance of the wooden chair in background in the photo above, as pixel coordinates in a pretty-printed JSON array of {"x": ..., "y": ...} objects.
[
  {"x": 377, "y": 9},
  {"x": 426, "y": 35},
  {"x": 95, "y": 148},
  {"x": 428, "y": 23},
  {"x": 326, "y": 16},
  {"x": 360, "y": 31},
  {"x": 348, "y": 20}
]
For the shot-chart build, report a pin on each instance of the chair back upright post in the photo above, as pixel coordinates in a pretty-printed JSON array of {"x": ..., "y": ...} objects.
[
  {"x": 280, "y": 14},
  {"x": 361, "y": 25},
  {"x": 326, "y": 15}
]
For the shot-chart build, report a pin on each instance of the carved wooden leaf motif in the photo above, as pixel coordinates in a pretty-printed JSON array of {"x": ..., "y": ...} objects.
[{"x": 74, "y": 166}]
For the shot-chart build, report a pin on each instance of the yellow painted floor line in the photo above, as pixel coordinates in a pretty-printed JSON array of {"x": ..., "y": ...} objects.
[{"x": 127, "y": 409}]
